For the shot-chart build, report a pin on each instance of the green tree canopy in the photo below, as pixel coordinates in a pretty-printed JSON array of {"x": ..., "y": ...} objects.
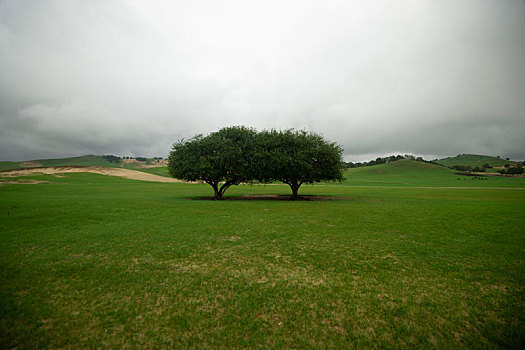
[
  {"x": 239, "y": 154},
  {"x": 296, "y": 157},
  {"x": 221, "y": 159}
]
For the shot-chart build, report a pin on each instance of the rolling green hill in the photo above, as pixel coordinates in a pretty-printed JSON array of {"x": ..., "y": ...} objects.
[
  {"x": 413, "y": 173},
  {"x": 89, "y": 160},
  {"x": 6, "y": 165},
  {"x": 474, "y": 160}
]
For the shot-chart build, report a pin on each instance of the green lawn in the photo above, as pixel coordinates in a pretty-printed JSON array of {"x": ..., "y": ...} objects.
[{"x": 94, "y": 261}]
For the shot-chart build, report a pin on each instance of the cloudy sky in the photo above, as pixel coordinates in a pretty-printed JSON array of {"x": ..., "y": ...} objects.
[{"x": 130, "y": 77}]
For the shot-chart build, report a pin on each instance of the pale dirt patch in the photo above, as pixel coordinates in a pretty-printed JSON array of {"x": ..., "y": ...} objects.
[
  {"x": 140, "y": 164},
  {"x": 30, "y": 164},
  {"x": 22, "y": 182},
  {"x": 126, "y": 173},
  {"x": 130, "y": 161}
]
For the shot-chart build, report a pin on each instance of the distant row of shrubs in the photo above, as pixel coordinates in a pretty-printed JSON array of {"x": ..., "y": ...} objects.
[
  {"x": 468, "y": 168},
  {"x": 508, "y": 169},
  {"x": 116, "y": 159},
  {"x": 111, "y": 158},
  {"x": 511, "y": 170},
  {"x": 384, "y": 160}
]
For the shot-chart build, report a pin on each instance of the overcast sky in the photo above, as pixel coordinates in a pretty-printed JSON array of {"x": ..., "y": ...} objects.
[{"x": 131, "y": 77}]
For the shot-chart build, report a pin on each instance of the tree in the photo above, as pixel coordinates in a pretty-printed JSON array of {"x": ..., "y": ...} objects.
[
  {"x": 234, "y": 155},
  {"x": 515, "y": 170},
  {"x": 221, "y": 159},
  {"x": 111, "y": 158},
  {"x": 297, "y": 157}
]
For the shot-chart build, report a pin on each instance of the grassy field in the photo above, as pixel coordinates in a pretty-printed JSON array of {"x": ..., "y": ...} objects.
[
  {"x": 95, "y": 261},
  {"x": 474, "y": 160}
]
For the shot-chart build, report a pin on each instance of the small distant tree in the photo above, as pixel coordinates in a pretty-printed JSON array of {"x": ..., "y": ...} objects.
[
  {"x": 507, "y": 165},
  {"x": 515, "y": 170},
  {"x": 111, "y": 158}
]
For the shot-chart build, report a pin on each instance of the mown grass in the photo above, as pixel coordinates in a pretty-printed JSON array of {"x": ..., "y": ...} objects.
[{"x": 95, "y": 261}]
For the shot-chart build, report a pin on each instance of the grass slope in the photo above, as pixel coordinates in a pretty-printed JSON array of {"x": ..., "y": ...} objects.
[
  {"x": 7, "y": 165},
  {"x": 88, "y": 160},
  {"x": 160, "y": 170},
  {"x": 474, "y": 160},
  {"x": 92, "y": 261},
  {"x": 412, "y": 173}
]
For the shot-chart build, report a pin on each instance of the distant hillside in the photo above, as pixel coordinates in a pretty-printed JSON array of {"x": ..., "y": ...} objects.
[
  {"x": 413, "y": 173},
  {"x": 474, "y": 160},
  {"x": 89, "y": 160}
]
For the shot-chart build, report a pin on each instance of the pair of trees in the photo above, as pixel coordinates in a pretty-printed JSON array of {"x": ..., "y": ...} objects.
[{"x": 238, "y": 154}]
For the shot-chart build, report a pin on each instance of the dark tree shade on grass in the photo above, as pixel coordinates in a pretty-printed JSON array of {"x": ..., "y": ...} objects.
[
  {"x": 296, "y": 157},
  {"x": 221, "y": 159}
]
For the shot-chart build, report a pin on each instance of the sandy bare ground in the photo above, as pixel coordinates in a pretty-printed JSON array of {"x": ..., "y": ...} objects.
[
  {"x": 141, "y": 164},
  {"x": 30, "y": 164},
  {"x": 126, "y": 173},
  {"x": 21, "y": 182}
]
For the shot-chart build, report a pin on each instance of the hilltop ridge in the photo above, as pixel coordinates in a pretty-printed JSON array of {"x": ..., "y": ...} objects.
[
  {"x": 475, "y": 160},
  {"x": 87, "y": 160}
]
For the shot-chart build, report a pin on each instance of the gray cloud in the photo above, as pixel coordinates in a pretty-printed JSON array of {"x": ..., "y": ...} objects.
[{"x": 426, "y": 77}]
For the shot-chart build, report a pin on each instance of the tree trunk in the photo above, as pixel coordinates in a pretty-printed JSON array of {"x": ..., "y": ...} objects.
[
  {"x": 224, "y": 187},
  {"x": 217, "y": 194},
  {"x": 295, "y": 188},
  {"x": 219, "y": 191}
]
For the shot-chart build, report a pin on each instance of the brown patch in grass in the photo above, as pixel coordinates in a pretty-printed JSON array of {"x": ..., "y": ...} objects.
[
  {"x": 22, "y": 182},
  {"x": 30, "y": 164}
]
